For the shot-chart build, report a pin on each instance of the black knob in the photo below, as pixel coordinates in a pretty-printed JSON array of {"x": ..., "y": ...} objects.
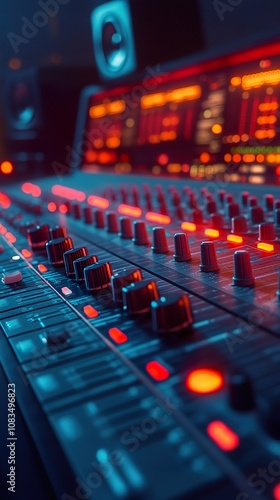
[
  {"x": 88, "y": 215},
  {"x": 243, "y": 275},
  {"x": 57, "y": 232},
  {"x": 266, "y": 232},
  {"x": 99, "y": 219},
  {"x": 125, "y": 228},
  {"x": 81, "y": 263},
  {"x": 122, "y": 278},
  {"x": 217, "y": 221},
  {"x": 182, "y": 248},
  {"x": 137, "y": 297},
  {"x": 77, "y": 211},
  {"x": 256, "y": 215},
  {"x": 38, "y": 236},
  {"x": 270, "y": 417},
  {"x": 239, "y": 225},
  {"x": 241, "y": 397},
  {"x": 112, "y": 222},
  {"x": 277, "y": 216},
  {"x": 171, "y": 314},
  {"x": 209, "y": 261},
  {"x": 98, "y": 276},
  {"x": 70, "y": 256},
  {"x": 140, "y": 233},
  {"x": 159, "y": 240},
  {"x": 56, "y": 248}
]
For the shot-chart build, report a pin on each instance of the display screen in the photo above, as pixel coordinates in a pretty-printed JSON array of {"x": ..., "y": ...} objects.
[{"x": 218, "y": 119}]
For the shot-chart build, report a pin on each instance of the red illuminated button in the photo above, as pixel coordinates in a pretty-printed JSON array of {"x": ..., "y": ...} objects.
[
  {"x": 118, "y": 336},
  {"x": 90, "y": 312},
  {"x": 204, "y": 381},
  {"x": 157, "y": 371},
  {"x": 42, "y": 268},
  {"x": 66, "y": 291},
  {"x": 223, "y": 436},
  {"x": 26, "y": 253},
  {"x": 276, "y": 492}
]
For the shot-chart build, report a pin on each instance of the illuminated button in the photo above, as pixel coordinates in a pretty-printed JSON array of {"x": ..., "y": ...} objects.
[
  {"x": 26, "y": 253},
  {"x": 158, "y": 218},
  {"x": 182, "y": 248},
  {"x": 42, "y": 268},
  {"x": 70, "y": 256},
  {"x": 239, "y": 225},
  {"x": 204, "y": 381},
  {"x": 125, "y": 228},
  {"x": 235, "y": 238},
  {"x": 117, "y": 335},
  {"x": 188, "y": 226},
  {"x": 137, "y": 297},
  {"x": 130, "y": 210},
  {"x": 266, "y": 232},
  {"x": 90, "y": 311},
  {"x": 266, "y": 247},
  {"x": 38, "y": 236},
  {"x": 171, "y": 314},
  {"x": 269, "y": 202},
  {"x": 217, "y": 221},
  {"x": 112, "y": 222},
  {"x": 99, "y": 219},
  {"x": 157, "y": 371},
  {"x": 122, "y": 278},
  {"x": 66, "y": 291},
  {"x": 243, "y": 275},
  {"x": 11, "y": 278},
  {"x": 240, "y": 391},
  {"x": 159, "y": 240},
  {"x": 276, "y": 492},
  {"x": 98, "y": 276},
  {"x": 56, "y": 248},
  {"x": 140, "y": 233},
  {"x": 212, "y": 233},
  {"x": 209, "y": 261},
  {"x": 81, "y": 263},
  {"x": 88, "y": 215},
  {"x": 57, "y": 232},
  {"x": 223, "y": 436}
]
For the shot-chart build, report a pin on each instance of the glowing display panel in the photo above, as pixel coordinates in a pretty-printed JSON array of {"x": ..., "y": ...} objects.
[{"x": 214, "y": 120}]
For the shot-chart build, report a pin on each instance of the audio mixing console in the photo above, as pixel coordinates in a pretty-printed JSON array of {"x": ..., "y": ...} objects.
[{"x": 140, "y": 314}]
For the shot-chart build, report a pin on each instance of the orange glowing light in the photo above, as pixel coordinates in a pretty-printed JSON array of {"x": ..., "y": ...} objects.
[
  {"x": 174, "y": 167},
  {"x": 97, "y": 111},
  {"x": 188, "y": 226},
  {"x": 42, "y": 268},
  {"x": 204, "y": 157},
  {"x": 267, "y": 247},
  {"x": 177, "y": 95},
  {"x": 212, "y": 233},
  {"x": 6, "y": 167},
  {"x": 163, "y": 159},
  {"x": 91, "y": 156},
  {"x": 158, "y": 218},
  {"x": 236, "y": 158},
  {"x": 115, "y": 107},
  {"x": 15, "y": 63},
  {"x": 90, "y": 312},
  {"x": 52, "y": 207},
  {"x": 68, "y": 193},
  {"x": 152, "y": 100},
  {"x": 204, "y": 381},
  {"x": 269, "y": 106},
  {"x": 157, "y": 371},
  {"x": 97, "y": 201},
  {"x": 33, "y": 189},
  {"x": 10, "y": 237},
  {"x": 113, "y": 142},
  {"x": 26, "y": 253},
  {"x": 130, "y": 210},
  {"x": 248, "y": 158},
  {"x": 227, "y": 157},
  {"x": 107, "y": 157},
  {"x": 3, "y": 229},
  {"x": 257, "y": 80},
  {"x": 63, "y": 209},
  {"x": 234, "y": 238},
  {"x": 217, "y": 128},
  {"x": 260, "y": 158},
  {"x": 66, "y": 291},
  {"x": 117, "y": 335},
  {"x": 276, "y": 492},
  {"x": 236, "y": 81},
  {"x": 223, "y": 436}
]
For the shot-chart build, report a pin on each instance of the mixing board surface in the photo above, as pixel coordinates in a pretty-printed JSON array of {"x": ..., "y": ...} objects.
[{"x": 140, "y": 323}]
